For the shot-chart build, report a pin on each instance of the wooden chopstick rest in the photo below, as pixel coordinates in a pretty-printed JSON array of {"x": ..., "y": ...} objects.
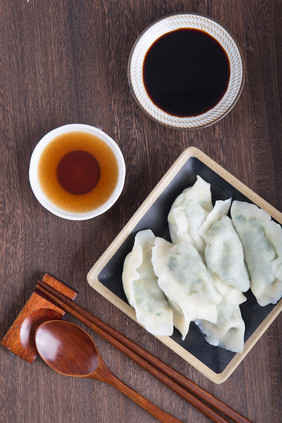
[{"x": 20, "y": 337}]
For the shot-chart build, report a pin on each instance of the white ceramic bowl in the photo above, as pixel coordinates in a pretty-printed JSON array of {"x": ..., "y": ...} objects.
[
  {"x": 39, "y": 192},
  {"x": 169, "y": 24}
]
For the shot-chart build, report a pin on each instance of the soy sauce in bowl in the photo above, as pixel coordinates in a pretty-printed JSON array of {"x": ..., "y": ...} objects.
[{"x": 186, "y": 72}]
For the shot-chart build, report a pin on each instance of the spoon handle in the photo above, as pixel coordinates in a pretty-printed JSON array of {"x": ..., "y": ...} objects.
[{"x": 103, "y": 374}]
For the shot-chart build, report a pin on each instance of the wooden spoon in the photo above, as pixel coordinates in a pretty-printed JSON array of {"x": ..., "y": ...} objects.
[{"x": 69, "y": 350}]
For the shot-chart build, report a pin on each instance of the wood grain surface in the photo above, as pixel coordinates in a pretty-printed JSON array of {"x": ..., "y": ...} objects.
[{"x": 64, "y": 62}]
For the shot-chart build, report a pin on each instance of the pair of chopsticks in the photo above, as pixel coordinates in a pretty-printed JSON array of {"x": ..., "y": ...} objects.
[{"x": 191, "y": 392}]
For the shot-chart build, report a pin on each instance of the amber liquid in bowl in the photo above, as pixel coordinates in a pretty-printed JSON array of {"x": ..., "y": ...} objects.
[{"x": 78, "y": 172}]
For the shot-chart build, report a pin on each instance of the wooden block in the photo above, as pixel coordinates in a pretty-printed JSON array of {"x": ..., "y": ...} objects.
[{"x": 20, "y": 337}]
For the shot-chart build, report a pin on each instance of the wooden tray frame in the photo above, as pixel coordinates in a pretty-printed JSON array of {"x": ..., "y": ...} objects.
[{"x": 92, "y": 276}]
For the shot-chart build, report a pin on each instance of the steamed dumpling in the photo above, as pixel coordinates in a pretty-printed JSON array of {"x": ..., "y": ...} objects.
[
  {"x": 185, "y": 280},
  {"x": 229, "y": 329},
  {"x": 188, "y": 212},
  {"x": 262, "y": 242},
  {"x": 142, "y": 289},
  {"x": 224, "y": 254}
]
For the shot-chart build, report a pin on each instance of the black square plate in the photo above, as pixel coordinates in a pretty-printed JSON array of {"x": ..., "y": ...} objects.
[{"x": 214, "y": 362}]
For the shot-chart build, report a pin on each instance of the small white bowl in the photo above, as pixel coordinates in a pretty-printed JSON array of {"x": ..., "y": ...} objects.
[
  {"x": 39, "y": 192},
  {"x": 169, "y": 24}
]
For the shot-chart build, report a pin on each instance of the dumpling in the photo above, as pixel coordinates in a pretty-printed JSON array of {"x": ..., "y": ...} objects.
[
  {"x": 142, "y": 289},
  {"x": 188, "y": 212},
  {"x": 224, "y": 254},
  {"x": 262, "y": 242},
  {"x": 185, "y": 280},
  {"x": 229, "y": 329}
]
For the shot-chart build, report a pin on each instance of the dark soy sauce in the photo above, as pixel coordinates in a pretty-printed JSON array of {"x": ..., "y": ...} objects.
[{"x": 186, "y": 72}]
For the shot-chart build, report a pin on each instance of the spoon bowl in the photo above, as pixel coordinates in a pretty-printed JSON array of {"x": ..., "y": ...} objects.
[{"x": 69, "y": 350}]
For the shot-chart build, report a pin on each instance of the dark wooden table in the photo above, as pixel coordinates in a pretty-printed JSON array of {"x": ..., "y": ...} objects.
[{"x": 66, "y": 61}]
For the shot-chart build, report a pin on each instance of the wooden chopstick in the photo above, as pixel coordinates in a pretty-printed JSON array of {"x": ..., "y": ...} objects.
[{"x": 195, "y": 395}]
